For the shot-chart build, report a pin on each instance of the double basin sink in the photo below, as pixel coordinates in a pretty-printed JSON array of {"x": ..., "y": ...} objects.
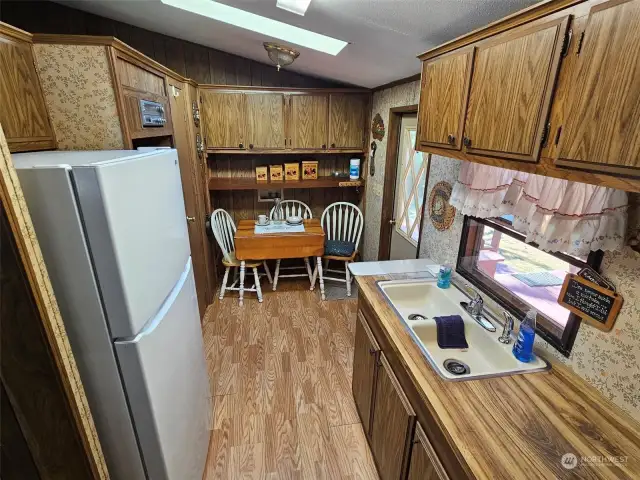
[{"x": 416, "y": 302}]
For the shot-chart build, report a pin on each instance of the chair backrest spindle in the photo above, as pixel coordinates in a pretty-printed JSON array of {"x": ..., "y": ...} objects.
[
  {"x": 223, "y": 230},
  {"x": 342, "y": 221},
  {"x": 291, "y": 208}
]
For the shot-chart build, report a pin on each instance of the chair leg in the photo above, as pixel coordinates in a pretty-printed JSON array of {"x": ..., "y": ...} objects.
[
  {"x": 308, "y": 265},
  {"x": 267, "y": 271},
  {"x": 224, "y": 282},
  {"x": 319, "y": 270},
  {"x": 314, "y": 275},
  {"x": 256, "y": 277},
  {"x": 241, "y": 283},
  {"x": 348, "y": 273},
  {"x": 275, "y": 278}
]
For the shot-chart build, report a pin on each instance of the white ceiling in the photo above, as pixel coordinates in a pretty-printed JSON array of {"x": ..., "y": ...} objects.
[{"x": 385, "y": 35}]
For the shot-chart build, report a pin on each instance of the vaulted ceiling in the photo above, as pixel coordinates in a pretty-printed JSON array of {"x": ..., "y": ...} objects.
[{"x": 384, "y": 36}]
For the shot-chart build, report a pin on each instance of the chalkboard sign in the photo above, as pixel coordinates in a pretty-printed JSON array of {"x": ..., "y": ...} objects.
[{"x": 593, "y": 303}]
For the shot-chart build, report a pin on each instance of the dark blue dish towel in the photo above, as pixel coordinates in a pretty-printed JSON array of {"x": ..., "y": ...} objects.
[{"x": 451, "y": 332}]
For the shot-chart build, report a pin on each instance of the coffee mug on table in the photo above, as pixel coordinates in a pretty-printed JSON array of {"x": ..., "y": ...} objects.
[{"x": 262, "y": 219}]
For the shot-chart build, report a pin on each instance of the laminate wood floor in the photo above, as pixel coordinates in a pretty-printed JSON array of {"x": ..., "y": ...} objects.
[{"x": 281, "y": 381}]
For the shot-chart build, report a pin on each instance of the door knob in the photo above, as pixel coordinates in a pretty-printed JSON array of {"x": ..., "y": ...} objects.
[
  {"x": 191, "y": 219},
  {"x": 452, "y": 139},
  {"x": 466, "y": 141},
  {"x": 392, "y": 221}
]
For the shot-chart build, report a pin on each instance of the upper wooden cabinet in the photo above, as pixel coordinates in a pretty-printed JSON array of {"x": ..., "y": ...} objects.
[
  {"x": 347, "y": 116},
  {"x": 265, "y": 121},
  {"x": 223, "y": 118},
  {"x": 261, "y": 120},
  {"x": 23, "y": 113},
  {"x": 443, "y": 99},
  {"x": 602, "y": 127},
  {"x": 510, "y": 96},
  {"x": 308, "y": 121}
]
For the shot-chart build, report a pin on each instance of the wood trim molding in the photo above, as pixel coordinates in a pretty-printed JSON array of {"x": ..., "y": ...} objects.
[
  {"x": 395, "y": 83},
  {"x": 516, "y": 19},
  {"x": 40, "y": 284},
  {"x": 545, "y": 166},
  {"x": 14, "y": 32},
  {"x": 390, "y": 173},
  {"x": 288, "y": 90}
]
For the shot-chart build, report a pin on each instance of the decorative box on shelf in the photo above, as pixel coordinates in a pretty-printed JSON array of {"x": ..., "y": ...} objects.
[
  {"x": 292, "y": 171},
  {"x": 261, "y": 174},
  {"x": 310, "y": 170},
  {"x": 275, "y": 173}
]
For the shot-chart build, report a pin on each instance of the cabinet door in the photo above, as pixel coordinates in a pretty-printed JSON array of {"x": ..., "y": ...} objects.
[
  {"x": 308, "y": 119},
  {"x": 223, "y": 119},
  {"x": 392, "y": 423},
  {"x": 191, "y": 182},
  {"x": 265, "y": 121},
  {"x": 365, "y": 358},
  {"x": 513, "y": 79},
  {"x": 347, "y": 114},
  {"x": 443, "y": 99},
  {"x": 602, "y": 130},
  {"x": 23, "y": 113},
  {"x": 425, "y": 464}
]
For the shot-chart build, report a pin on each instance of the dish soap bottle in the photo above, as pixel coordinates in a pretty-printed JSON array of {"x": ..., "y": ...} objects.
[{"x": 523, "y": 348}]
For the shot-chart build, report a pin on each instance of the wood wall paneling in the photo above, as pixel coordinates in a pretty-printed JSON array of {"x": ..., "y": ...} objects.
[
  {"x": 513, "y": 79},
  {"x": 186, "y": 58}
]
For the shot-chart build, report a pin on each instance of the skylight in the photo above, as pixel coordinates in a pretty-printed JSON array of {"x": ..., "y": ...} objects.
[{"x": 256, "y": 23}]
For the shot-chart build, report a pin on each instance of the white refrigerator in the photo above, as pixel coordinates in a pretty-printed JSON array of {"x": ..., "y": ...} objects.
[{"x": 113, "y": 233}]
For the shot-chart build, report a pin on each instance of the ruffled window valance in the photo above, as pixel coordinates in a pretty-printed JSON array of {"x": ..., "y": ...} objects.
[{"x": 558, "y": 215}]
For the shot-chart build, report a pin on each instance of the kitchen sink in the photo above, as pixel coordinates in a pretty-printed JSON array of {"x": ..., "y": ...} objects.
[{"x": 416, "y": 302}]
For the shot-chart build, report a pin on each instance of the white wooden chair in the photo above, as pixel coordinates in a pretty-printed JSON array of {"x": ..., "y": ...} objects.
[
  {"x": 341, "y": 221},
  {"x": 291, "y": 208},
  {"x": 223, "y": 230}
]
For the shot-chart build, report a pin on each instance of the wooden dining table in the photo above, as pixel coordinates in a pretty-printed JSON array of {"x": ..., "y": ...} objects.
[{"x": 250, "y": 245}]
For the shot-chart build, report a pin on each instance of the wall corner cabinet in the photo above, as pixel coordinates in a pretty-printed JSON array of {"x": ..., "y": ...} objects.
[
  {"x": 278, "y": 120},
  {"x": 394, "y": 419},
  {"x": 23, "y": 112},
  {"x": 553, "y": 89}
]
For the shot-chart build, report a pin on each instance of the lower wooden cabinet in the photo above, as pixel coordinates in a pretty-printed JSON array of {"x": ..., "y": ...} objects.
[
  {"x": 424, "y": 464},
  {"x": 398, "y": 442},
  {"x": 365, "y": 359},
  {"x": 392, "y": 423}
]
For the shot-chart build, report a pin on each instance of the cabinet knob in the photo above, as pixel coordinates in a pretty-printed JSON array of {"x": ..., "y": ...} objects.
[
  {"x": 324, "y": 145},
  {"x": 241, "y": 145},
  {"x": 466, "y": 141},
  {"x": 251, "y": 145},
  {"x": 372, "y": 351},
  {"x": 451, "y": 139},
  {"x": 333, "y": 145}
]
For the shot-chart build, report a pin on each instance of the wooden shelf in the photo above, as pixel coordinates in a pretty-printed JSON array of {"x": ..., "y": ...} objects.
[
  {"x": 282, "y": 151},
  {"x": 235, "y": 183}
]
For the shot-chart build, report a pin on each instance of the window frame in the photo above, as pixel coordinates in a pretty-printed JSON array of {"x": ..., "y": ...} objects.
[{"x": 504, "y": 297}]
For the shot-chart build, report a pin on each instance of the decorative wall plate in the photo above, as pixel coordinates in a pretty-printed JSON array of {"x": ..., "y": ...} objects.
[
  {"x": 440, "y": 212},
  {"x": 377, "y": 127}
]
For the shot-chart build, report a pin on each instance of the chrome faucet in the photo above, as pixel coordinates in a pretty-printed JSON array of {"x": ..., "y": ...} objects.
[
  {"x": 476, "y": 305},
  {"x": 507, "y": 328}
]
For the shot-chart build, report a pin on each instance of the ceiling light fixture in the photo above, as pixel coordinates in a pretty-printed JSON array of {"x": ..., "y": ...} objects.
[
  {"x": 280, "y": 55},
  {"x": 259, "y": 24},
  {"x": 298, "y": 7}
]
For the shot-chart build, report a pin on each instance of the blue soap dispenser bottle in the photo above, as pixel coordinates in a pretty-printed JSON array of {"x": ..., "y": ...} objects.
[{"x": 523, "y": 348}]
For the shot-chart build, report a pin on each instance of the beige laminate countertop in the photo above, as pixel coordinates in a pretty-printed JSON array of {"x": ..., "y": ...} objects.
[{"x": 518, "y": 426}]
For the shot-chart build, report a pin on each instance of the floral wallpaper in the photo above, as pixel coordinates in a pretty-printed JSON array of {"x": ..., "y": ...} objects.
[
  {"x": 79, "y": 93},
  {"x": 610, "y": 361}
]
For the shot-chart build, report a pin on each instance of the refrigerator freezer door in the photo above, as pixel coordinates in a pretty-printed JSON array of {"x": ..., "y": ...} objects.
[
  {"x": 168, "y": 388},
  {"x": 56, "y": 219},
  {"x": 134, "y": 216}
]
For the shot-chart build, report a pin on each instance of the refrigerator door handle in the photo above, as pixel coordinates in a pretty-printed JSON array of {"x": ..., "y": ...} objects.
[{"x": 154, "y": 321}]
